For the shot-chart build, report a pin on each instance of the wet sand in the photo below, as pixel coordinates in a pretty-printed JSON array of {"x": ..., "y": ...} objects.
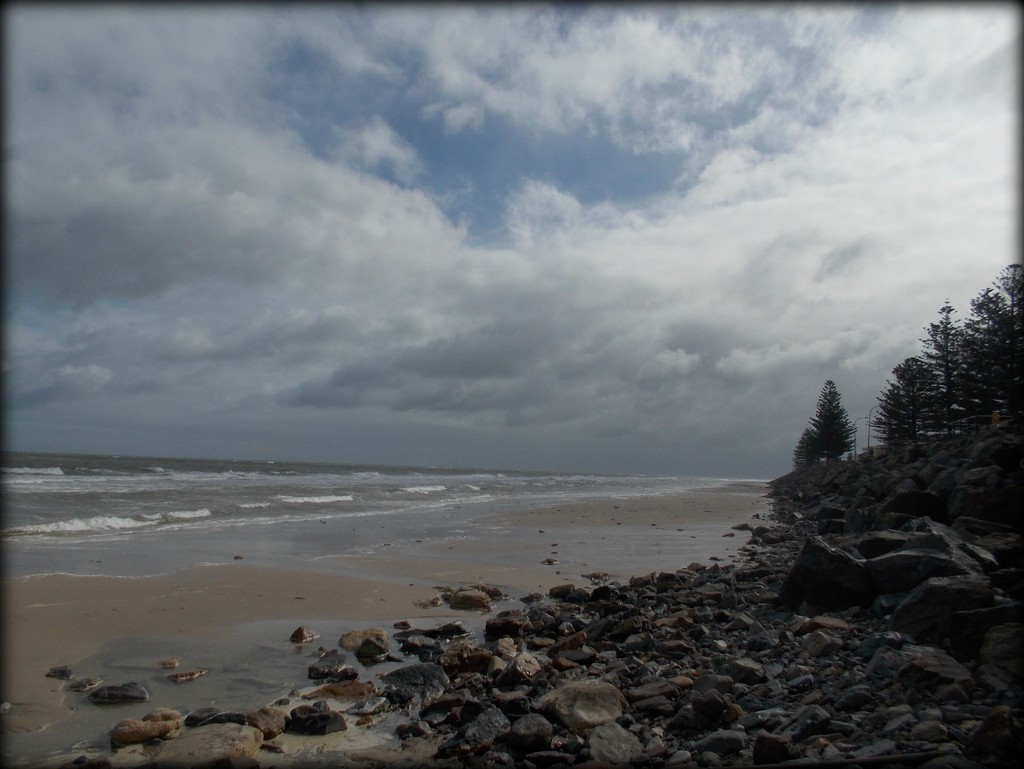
[{"x": 61, "y": 620}]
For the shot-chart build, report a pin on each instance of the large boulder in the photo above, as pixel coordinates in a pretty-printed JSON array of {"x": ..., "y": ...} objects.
[
  {"x": 583, "y": 704},
  {"x": 826, "y": 577},
  {"x": 925, "y": 612},
  {"x": 374, "y": 641},
  {"x": 902, "y": 570},
  {"x": 480, "y": 733}
]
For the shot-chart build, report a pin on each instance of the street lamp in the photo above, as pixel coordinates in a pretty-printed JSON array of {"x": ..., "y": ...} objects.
[
  {"x": 855, "y": 421},
  {"x": 870, "y": 412}
]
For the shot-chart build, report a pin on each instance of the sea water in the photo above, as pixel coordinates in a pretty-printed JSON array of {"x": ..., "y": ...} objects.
[{"x": 138, "y": 516}]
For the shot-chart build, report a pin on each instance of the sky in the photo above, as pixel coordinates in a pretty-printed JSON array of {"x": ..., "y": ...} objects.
[{"x": 608, "y": 238}]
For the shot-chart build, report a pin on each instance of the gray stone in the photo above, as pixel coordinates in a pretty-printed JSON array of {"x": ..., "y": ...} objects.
[
  {"x": 116, "y": 694},
  {"x": 424, "y": 679},
  {"x": 826, "y": 577},
  {"x": 1002, "y": 649},
  {"x": 925, "y": 612},
  {"x": 583, "y": 704},
  {"x": 530, "y": 733},
  {"x": 313, "y": 720},
  {"x": 925, "y": 667},
  {"x": 902, "y": 570},
  {"x": 743, "y": 670},
  {"x": 723, "y": 742},
  {"x": 855, "y": 698},
  {"x": 611, "y": 743},
  {"x": 490, "y": 725}
]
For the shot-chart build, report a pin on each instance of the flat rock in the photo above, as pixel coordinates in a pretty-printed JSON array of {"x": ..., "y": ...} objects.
[
  {"x": 118, "y": 693},
  {"x": 583, "y": 704},
  {"x": 270, "y": 721},
  {"x": 611, "y": 743},
  {"x": 424, "y": 679},
  {"x": 161, "y": 724},
  {"x": 212, "y": 746},
  {"x": 312, "y": 720},
  {"x": 926, "y": 667}
]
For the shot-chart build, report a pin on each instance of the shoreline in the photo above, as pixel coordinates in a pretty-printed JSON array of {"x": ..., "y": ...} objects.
[{"x": 54, "y": 619}]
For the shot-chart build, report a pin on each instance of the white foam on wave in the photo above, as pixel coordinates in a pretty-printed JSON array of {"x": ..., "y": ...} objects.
[
  {"x": 74, "y": 525},
  {"x": 253, "y": 505},
  {"x": 316, "y": 500},
  {"x": 176, "y": 515},
  {"x": 33, "y": 470},
  {"x": 423, "y": 489}
]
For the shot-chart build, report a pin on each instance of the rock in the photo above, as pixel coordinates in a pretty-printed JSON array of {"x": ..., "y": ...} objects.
[
  {"x": 822, "y": 622},
  {"x": 116, "y": 694},
  {"x": 83, "y": 684},
  {"x": 611, "y": 743},
  {"x": 855, "y": 698},
  {"x": 925, "y": 667},
  {"x": 926, "y": 610},
  {"x": 583, "y": 704},
  {"x": 190, "y": 675},
  {"x": 710, "y": 704},
  {"x": 771, "y": 748},
  {"x": 162, "y": 724},
  {"x": 426, "y": 680},
  {"x": 352, "y": 640},
  {"x": 332, "y": 667},
  {"x": 743, "y": 670},
  {"x": 269, "y": 721},
  {"x": 820, "y": 644},
  {"x": 413, "y": 729},
  {"x": 929, "y": 731},
  {"x": 917, "y": 504},
  {"x": 200, "y": 715},
  {"x": 372, "y": 649},
  {"x": 826, "y": 577},
  {"x": 998, "y": 735},
  {"x": 902, "y": 570},
  {"x": 480, "y": 733},
  {"x": 312, "y": 720},
  {"x": 303, "y": 635},
  {"x": 522, "y": 669},
  {"x": 370, "y": 706},
  {"x": 646, "y": 691},
  {"x": 213, "y": 746},
  {"x": 465, "y": 658},
  {"x": 1002, "y": 649},
  {"x": 724, "y": 742},
  {"x": 168, "y": 663},
  {"x": 63, "y": 672},
  {"x": 470, "y": 600},
  {"x": 507, "y": 623}
]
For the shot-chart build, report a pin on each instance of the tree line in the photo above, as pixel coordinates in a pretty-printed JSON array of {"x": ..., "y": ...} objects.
[{"x": 967, "y": 370}]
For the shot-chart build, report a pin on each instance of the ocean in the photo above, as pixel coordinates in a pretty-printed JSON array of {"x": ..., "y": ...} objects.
[{"x": 138, "y": 516}]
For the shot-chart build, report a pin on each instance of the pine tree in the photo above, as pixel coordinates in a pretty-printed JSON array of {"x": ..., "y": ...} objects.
[
  {"x": 831, "y": 429},
  {"x": 904, "y": 405},
  {"x": 987, "y": 354},
  {"x": 803, "y": 454},
  {"x": 943, "y": 352}
]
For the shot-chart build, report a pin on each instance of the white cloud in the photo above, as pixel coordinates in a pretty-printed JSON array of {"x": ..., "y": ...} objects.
[{"x": 377, "y": 146}]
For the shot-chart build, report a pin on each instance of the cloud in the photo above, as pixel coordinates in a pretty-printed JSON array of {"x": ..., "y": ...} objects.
[
  {"x": 271, "y": 220},
  {"x": 376, "y": 146}
]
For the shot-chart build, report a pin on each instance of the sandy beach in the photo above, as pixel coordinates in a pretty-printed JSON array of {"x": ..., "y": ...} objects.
[{"x": 62, "y": 620}]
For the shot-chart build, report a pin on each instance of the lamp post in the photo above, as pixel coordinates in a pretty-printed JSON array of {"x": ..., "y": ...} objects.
[
  {"x": 855, "y": 421},
  {"x": 870, "y": 412}
]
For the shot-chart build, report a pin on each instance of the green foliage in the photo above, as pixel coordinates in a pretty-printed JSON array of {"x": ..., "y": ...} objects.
[
  {"x": 904, "y": 407},
  {"x": 830, "y": 433},
  {"x": 965, "y": 369}
]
